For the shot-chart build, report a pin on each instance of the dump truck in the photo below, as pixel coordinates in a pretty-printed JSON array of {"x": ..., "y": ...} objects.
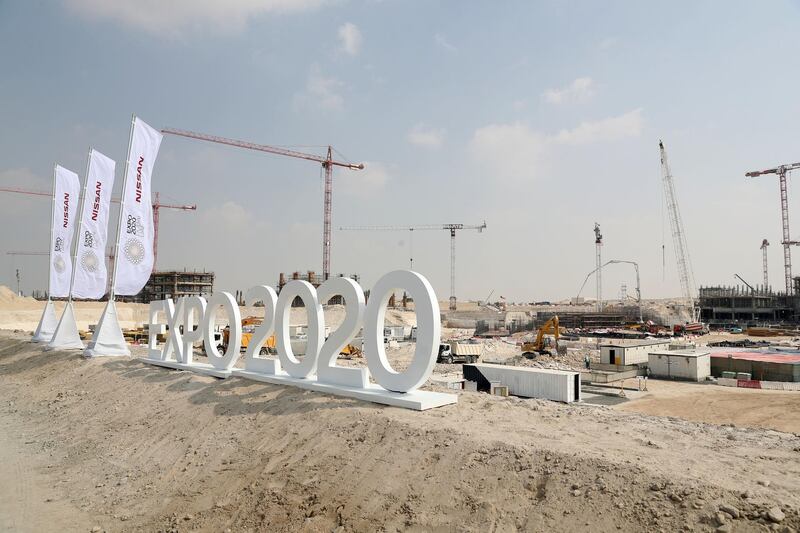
[{"x": 459, "y": 352}]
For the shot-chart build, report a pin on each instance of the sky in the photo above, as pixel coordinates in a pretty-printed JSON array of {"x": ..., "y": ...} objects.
[{"x": 539, "y": 118}]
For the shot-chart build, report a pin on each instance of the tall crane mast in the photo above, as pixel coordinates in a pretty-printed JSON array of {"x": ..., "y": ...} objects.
[
  {"x": 764, "y": 245},
  {"x": 157, "y": 205},
  {"x": 598, "y": 243},
  {"x": 678, "y": 235},
  {"x": 327, "y": 163},
  {"x": 787, "y": 241},
  {"x": 452, "y": 228}
]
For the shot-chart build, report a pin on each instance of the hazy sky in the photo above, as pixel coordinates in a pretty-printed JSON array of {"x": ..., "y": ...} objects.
[{"x": 538, "y": 117}]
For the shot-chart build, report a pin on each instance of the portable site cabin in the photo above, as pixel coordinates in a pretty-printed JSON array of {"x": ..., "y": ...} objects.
[
  {"x": 691, "y": 365},
  {"x": 557, "y": 385},
  {"x": 629, "y": 352},
  {"x": 396, "y": 332}
]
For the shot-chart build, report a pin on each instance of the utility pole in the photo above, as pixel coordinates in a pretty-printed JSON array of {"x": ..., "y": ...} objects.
[
  {"x": 764, "y": 245},
  {"x": 598, "y": 241},
  {"x": 787, "y": 241}
]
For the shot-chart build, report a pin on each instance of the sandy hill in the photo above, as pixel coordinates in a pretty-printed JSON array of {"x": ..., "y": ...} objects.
[{"x": 117, "y": 445}]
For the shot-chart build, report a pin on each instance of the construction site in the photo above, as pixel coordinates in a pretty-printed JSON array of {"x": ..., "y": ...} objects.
[{"x": 555, "y": 361}]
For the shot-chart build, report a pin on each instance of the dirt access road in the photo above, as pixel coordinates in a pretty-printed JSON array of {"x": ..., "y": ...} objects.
[
  {"x": 118, "y": 445},
  {"x": 713, "y": 404}
]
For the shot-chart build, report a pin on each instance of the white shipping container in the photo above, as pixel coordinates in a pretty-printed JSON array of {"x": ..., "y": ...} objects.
[{"x": 547, "y": 384}]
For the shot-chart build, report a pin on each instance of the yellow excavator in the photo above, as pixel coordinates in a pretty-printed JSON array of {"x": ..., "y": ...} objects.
[
  {"x": 529, "y": 349},
  {"x": 249, "y": 326}
]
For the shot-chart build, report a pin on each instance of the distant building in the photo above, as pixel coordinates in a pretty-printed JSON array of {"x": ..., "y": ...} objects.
[
  {"x": 726, "y": 306},
  {"x": 315, "y": 280},
  {"x": 176, "y": 283}
]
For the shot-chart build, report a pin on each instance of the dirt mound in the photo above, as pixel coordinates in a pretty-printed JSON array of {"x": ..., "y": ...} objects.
[
  {"x": 123, "y": 446},
  {"x": 9, "y": 296}
]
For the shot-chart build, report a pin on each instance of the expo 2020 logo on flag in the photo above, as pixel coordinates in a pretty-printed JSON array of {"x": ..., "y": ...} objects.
[
  {"x": 134, "y": 251},
  {"x": 89, "y": 261},
  {"x": 59, "y": 264}
]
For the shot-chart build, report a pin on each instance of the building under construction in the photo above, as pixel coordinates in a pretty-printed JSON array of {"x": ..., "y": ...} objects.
[
  {"x": 314, "y": 279},
  {"x": 174, "y": 284},
  {"x": 745, "y": 306}
]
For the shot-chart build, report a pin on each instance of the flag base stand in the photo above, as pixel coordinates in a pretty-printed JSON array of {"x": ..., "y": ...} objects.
[
  {"x": 47, "y": 324},
  {"x": 108, "y": 339},
  {"x": 66, "y": 336}
]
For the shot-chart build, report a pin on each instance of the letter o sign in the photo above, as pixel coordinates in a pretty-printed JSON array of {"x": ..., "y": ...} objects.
[{"x": 428, "y": 335}]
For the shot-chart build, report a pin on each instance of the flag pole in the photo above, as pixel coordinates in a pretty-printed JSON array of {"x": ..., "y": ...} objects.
[
  {"x": 121, "y": 210},
  {"x": 50, "y": 251},
  {"x": 77, "y": 238}
]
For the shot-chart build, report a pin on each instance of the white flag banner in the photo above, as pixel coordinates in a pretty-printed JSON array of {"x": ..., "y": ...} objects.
[
  {"x": 66, "y": 191},
  {"x": 135, "y": 239},
  {"x": 91, "y": 276}
]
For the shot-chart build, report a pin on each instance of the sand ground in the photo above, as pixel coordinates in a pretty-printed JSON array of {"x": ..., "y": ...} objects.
[{"x": 118, "y": 445}]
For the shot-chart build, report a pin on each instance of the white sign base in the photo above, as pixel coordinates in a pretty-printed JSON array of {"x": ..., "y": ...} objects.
[
  {"x": 200, "y": 368},
  {"x": 417, "y": 400},
  {"x": 108, "y": 338},
  {"x": 66, "y": 336},
  {"x": 47, "y": 324}
]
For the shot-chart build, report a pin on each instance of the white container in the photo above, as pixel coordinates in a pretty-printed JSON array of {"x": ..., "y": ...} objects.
[
  {"x": 691, "y": 365},
  {"x": 556, "y": 385},
  {"x": 629, "y": 352}
]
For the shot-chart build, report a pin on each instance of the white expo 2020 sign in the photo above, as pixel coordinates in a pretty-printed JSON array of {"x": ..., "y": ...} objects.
[{"x": 318, "y": 370}]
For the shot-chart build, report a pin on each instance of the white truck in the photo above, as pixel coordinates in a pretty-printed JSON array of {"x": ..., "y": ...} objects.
[{"x": 459, "y": 352}]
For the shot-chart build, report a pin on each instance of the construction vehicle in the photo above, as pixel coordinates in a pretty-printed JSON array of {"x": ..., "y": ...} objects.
[
  {"x": 249, "y": 326},
  {"x": 540, "y": 345},
  {"x": 459, "y": 352}
]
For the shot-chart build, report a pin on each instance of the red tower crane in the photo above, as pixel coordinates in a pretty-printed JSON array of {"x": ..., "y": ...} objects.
[
  {"x": 327, "y": 163},
  {"x": 157, "y": 205}
]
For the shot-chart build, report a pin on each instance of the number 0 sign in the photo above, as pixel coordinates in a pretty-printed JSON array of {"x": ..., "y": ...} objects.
[{"x": 317, "y": 369}]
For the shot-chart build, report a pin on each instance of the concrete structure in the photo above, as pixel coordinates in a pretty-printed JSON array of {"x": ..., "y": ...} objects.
[
  {"x": 315, "y": 280},
  {"x": 727, "y": 306},
  {"x": 690, "y": 365},
  {"x": 762, "y": 366},
  {"x": 175, "y": 284},
  {"x": 629, "y": 352},
  {"x": 556, "y": 385}
]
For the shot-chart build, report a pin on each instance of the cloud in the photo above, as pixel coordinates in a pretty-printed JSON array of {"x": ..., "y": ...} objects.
[
  {"x": 515, "y": 152},
  {"x": 509, "y": 151},
  {"x": 423, "y": 135},
  {"x": 173, "y": 17},
  {"x": 350, "y": 38},
  {"x": 442, "y": 41},
  {"x": 363, "y": 183},
  {"x": 580, "y": 90},
  {"x": 320, "y": 92},
  {"x": 610, "y": 129}
]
